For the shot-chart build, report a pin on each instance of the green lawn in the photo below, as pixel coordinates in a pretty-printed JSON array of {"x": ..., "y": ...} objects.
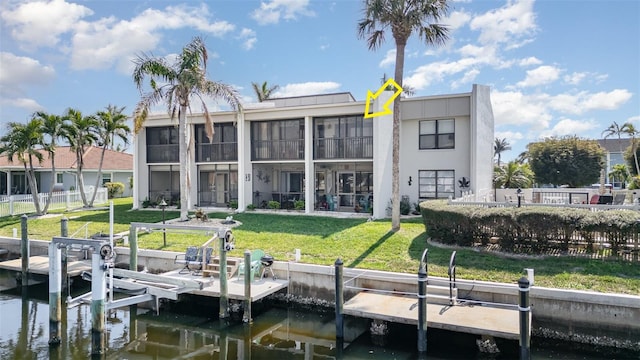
[{"x": 359, "y": 243}]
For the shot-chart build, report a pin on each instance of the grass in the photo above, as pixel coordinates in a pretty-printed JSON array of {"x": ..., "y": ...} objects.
[{"x": 359, "y": 243}]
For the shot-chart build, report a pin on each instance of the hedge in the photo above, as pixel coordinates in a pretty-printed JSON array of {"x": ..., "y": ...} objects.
[{"x": 534, "y": 230}]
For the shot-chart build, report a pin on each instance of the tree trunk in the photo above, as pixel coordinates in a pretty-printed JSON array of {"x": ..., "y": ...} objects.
[
  {"x": 99, "y": 176},
  {"x": 395, "y": 186},
  {"x": 53, "y": 181},
  {"x": 83, "y": 196},
  {"x": 33, "y": 185},
  {"x": 634, "y": 149},
  {"x": 184, "y": 184}
]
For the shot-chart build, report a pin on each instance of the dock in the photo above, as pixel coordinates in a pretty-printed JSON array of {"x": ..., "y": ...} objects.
[
  {"x": 471, "y": 319},
  {"x": 40, "y": 265}
]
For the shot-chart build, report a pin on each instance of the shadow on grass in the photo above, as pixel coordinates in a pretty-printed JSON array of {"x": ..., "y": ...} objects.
[
  {"x": 371, "y": 249},
  {"x": 122, "y": 214}
]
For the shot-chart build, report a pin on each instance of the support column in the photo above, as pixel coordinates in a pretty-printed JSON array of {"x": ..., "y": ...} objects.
[
  {"x": 339, "y": 299},
  {"x": 525, "y": 326},
  {"x": 422, "y": 303},
  {"x": 133, "y": 248},
  {"x": 246, "y": 317},
  {"x": 224, "y": 297},
  {"x": 98, "y": 290},
  {"x": 24, "y": 250},
  {"x": 55, "y": 295},
  {"x": 64, "y": 232}
]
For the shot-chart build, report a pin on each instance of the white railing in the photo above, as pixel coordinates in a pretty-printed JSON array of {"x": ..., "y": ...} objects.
[{"x": 23, "y": 204}]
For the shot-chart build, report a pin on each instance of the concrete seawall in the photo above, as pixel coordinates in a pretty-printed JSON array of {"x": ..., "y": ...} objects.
[{"x": 581, "y": 316}]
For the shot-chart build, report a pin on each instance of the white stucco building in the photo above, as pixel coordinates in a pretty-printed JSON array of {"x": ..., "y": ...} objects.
[{"x": 321, "y": 150}]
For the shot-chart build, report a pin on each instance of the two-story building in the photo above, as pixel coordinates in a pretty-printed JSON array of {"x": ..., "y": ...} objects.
[{"x": 323, "y": 151}]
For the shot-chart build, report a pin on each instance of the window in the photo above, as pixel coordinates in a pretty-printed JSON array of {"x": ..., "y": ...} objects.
[
  {"x": 437, "y": 134},
  {"x": 59, "y": 178},
  {"x": 436, "y": 184},
  {"x": 106, "y": 178}
]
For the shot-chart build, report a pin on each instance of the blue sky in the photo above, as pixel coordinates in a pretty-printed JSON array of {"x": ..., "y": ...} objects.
[{"x": 554, "y": 67}]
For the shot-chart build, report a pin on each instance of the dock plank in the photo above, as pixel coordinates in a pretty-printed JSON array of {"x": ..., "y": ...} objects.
[
  {"x": 480, "y": 320},
  {"x": 40, "y": 265}
]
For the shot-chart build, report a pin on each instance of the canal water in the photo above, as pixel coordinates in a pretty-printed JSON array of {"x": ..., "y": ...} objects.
[{"x": 191, "y": 330}]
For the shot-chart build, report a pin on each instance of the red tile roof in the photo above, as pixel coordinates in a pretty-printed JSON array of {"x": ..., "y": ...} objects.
[{"x": 66, "y": 159}]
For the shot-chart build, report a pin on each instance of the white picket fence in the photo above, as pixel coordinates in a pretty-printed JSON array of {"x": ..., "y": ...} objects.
[{"x": 23, "y": 204}]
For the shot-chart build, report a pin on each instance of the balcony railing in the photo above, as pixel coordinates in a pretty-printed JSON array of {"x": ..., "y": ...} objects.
[
  {"x": 217, "y": 152},
  {"x": 344, "y": 148},
  {"x": 277, "y": 150},
  {"x": 166, "y": 153}
]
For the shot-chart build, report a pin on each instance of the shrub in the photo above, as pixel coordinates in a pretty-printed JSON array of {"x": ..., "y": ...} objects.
[
  {"x": 202, "y": 215},
  {"x": 299, "y": 205},
  {"x": 233, "y": 204},
  {"x": 405, "y": 206},
  {"x": 146, "y": 203},
  {"x": 251, "y": 207},
  {"x": 114, "y": 189},
  {"x": 273, "y": 204}
]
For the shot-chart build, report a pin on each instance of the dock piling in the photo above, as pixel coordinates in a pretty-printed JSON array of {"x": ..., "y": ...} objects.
[
  {"x": 133, "y": 248},
  {"x": 525, "y": 310},
  {"x": 64, "y": 232},
  {"x": 246, "y": 317},
  {"x": 24, "y": 250},
  {"x": 339, "y": 299},
  {"x": 55, "y": 295},
  {"x": 98, "y": 290},
  {"x": 422, "y": 303},
  {"x": 224, "y": 296}
]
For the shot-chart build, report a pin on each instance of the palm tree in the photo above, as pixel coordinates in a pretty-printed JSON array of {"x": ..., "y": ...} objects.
[
  {"x": 616, "y": 130},
  {"x": 631, "y": 130},
  {"x": 111, "y": 123},
  {"x": 402, "y": 18},
  {"x": 500, "y": 146},
  {"x": 512, "y": 175},
  {"x": 406, "y": 90},
  {"x": 56, "y": 127},
  {"x": 176, "y": 84},
  {"x": 619, "y": 172},
  {"x": 22, "y": 142},
  {"x": 82, "y": 135},
  {"x": 264, "y": 92}
]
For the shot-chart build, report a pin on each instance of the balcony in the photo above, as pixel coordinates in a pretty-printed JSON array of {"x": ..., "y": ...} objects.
[
  {"x": 277, "y": 150},
  {"x": 166, "y": 153},
  {"x": 344, "y": 148},
  {"x": 227, "y": 151}
]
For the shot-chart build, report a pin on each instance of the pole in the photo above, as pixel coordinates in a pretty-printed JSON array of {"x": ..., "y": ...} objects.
[
  {"x": 422, "y": 303},
  {"x": 55, "y": 295},
  {"x": 111, "y": 244},
  {"x": 164, "y": 231},
  {"x": 24, "y": 251},
  {"x": 133, "y": 248},
  {"x": 98, "y": 289},
  {"x": 224, "y": 298},
  {"x": 339, "y": 299},
  {"x": 246, "y": 317},
  {"x": 525, "y": 326},
  {"x": 64, "y": 232}
]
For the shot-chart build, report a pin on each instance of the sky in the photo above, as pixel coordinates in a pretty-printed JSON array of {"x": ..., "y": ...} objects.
[{"x": 554, "y": 67}]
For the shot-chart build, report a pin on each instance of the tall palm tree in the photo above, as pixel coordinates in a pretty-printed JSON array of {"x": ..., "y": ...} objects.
[
  {"x": 22, "y": 141},
  {"x": 111, "y": 123},
  {"x": 619, "y": 172},
  {"x": 82, "y": 135},
  {"x": 264, "y": 91},
  {"x": 500, "y": 146},
  {"x": 402, "y": 18},
  {"x": 56, "y": 127},
  {"x": 631, "y": 130},
  {"x": 406, "y": 90},
  {"x": 175, "y": 85},
  {"x": 616, "y": 130}
]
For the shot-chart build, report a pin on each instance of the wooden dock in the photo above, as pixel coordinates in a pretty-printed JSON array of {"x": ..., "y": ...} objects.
[
  {"x": 40, "y": 265},
  {"x": 471, "y": 319}
]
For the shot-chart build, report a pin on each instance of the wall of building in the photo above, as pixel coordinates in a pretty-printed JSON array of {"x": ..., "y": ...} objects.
[{"x": 482, "y": 140}]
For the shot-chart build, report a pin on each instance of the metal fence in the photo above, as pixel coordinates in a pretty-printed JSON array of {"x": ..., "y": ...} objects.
[{"x": 23, "y": 204}]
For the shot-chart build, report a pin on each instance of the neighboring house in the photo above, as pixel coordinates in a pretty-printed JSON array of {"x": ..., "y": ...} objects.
[
  {"x": 117, "y": 167},
  {"x": 614, "y": 155},
  {"x": 322, "y": 150}
]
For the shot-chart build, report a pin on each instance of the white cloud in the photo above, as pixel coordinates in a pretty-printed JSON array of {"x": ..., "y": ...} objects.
[
  {"x": 24, "y": 103},
  {"x": 584, "y": 101},
  {"x": 531, "y": 60},
  {"x": 308, "y": 88},
  {"x": 511, "y": 136},
  {"x": 456, "y": 19},
  {"x": 540, "y": 76},
  {"x": 249, "y": 37},
  {"x": 575, "y": 78},
  {"x": 389, "y": 58},
  {"x": 324, "y": 46},
  {"x": 19, "y": 72},
  {"x": 634, "y": 119},
  {"x": 468, "y": 78},
  {"x": 570, "y": 127},
  {"x": 40, "y": 23},
  {"x": 508, "y": 24},
  {"x": 271, "y": 12},
  {"x": 516, "y": 108}
]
